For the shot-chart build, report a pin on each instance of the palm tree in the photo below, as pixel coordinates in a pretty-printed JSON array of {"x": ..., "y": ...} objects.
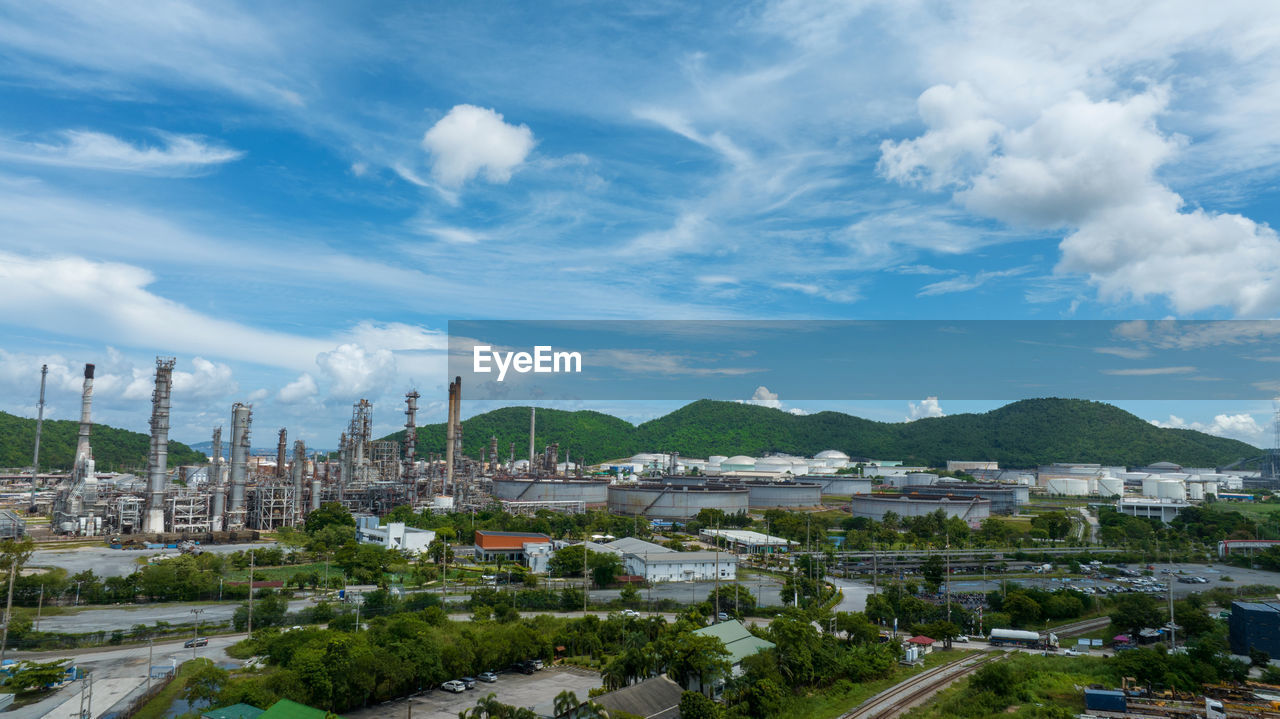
[{"x": 565, "y": 702}]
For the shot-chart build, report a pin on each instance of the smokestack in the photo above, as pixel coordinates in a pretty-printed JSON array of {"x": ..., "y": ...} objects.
[
  {"x": 298, "y": 469},
  {"x": 158, "y": 467},
  {"x": 217, "y": 487},
  {"x": 449, "y": 437},
  {"x": 457, "y": 425},
  {"x": 280, "y": 452},
  {"x": 241, "y": 418},
  {"x": 83, "y": 451},
  {"x": 533, "y": 422},
  {"x": 35, "y": 459}
]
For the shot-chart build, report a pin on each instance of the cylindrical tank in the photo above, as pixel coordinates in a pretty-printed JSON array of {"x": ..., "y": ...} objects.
[
  {"x": 1068, "y": 487},
  {"x": 1211, "y": 488},
  {"x": 920, "y": 479},
  {"x": 1171, "y": 489},
  {"x": 1093, "y": 485},
  {"x": 1110, "y": 487},
  {"x": 665, "y": 502},
  {"x": 552, "y": 490},
  {"x": 1195, "y": 491},
  {"x": 874, "y": 506},
  {"x": 1150, "y": 485},
  {"x": 777, "y": 465},
  {"x": 769, "y": 495},
  {"x": 716, "y": 459},
  {"x": 842, "y": 485},
  {"x": 241, "y": 416},
  {"x": 737, "y": 463}
]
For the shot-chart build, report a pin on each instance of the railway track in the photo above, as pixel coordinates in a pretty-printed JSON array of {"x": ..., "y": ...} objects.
[
  {"x": 1081, "y": 627},
  {"x": 898, "y": 699}
]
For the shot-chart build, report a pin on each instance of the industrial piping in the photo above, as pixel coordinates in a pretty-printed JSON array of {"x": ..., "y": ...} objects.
[{"x": 158, "y": 470}]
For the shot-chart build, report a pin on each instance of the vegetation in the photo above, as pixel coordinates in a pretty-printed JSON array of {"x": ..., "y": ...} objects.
[
  {"x": 1021, "y": 434},
  {"x": 113, "y": 449}
]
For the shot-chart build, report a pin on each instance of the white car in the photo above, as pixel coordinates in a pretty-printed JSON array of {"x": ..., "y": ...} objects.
[
  {"x": 962, "y": 639},
  {"x": 1071, "y": 653},
  {"x": 629, "y": 613},
  {"x": 454, "y": 686}
]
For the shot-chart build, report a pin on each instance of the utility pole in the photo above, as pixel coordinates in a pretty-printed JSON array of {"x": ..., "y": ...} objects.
[
  {"x": 151, "y": 647},
  {"x": 717, "y": 541},
  {"x": 195, "y": 633},
  {"x": 250, "y": 627},
  {"x": 8, "y": 610},
  {"x": 585, "y": 586},
  {"x": 947, "y": 549},
  {"x": 39, "y": 609}
]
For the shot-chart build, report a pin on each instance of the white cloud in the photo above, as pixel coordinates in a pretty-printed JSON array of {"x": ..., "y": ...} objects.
[
  {"x": 209, "y": 380},
  {"x": 1236, "y": 426},
  {"x": 964, "y": 283},
  {"x": 927, "y": 407},
  {"x": 470, "y": 140},
  {"x": 178, "y": 154},
  {"x": 1148, "y": 371},
  {"x": 1090, "y": 166},
  {"x": 354, "y": 371},
  {"x": 763, "y": 397},
  {"x": 302, "y": 388}
]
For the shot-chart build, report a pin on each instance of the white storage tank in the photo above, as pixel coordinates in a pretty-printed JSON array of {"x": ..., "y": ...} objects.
[
  {"x": 716, "y": 459},
  {"x": 1110, "y": 487},
  {"x": 1211, "y": 488},
  {"x": 920, "y": 479},
  {"x": 1068, "y": 487},
  {"x": 737, "y": 463},
  {"x": 1150, "y": 486},
  {"x": 1195, "y": 491},
  {"x": 778, "y": 465},
  {"x": 1093, "y": 486},
  {"x": 1171, "y": 489}
]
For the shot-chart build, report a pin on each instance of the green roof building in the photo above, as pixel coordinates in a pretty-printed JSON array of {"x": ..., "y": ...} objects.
[{"x": 235, "y": 711}]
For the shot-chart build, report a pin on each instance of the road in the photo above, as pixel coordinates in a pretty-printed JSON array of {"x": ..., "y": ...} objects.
[
  {"x": 115, "y": 673},
  {"x": 108, "y": 619}
]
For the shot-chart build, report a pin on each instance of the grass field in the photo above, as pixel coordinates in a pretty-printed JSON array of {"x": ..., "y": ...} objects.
[
  {"x": 159, "y": 705},
  {"x": 831, "y": 702},
  {"x": 1253, "y": 510},
  {"x": 1048, "y": 682}
]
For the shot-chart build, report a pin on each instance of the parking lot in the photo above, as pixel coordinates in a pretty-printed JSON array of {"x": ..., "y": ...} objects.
[{"x": 536, "y": 691}]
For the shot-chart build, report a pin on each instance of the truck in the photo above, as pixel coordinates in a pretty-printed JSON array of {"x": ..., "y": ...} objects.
[{"x": 1025, "y": 639}]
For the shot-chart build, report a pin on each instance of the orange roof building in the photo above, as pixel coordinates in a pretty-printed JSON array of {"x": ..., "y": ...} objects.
[{"x": 491, "y": 545}]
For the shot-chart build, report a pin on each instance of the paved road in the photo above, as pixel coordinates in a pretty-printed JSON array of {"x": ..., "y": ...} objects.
[
  {"x": 107, "y": 619},
  {"x": 115, "y": 672},
  {"x": 537, "y": 690}
]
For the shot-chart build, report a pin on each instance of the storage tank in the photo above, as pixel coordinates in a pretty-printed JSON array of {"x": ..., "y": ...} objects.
[
  {"x": 665, "y": 502},
  {"x": 874, "y": 506},
  {"x": 1093, "y": 486},
  {"x": 1068, "y": 487},
  {"x": 842, "y": 485},
  {"x": 1171, "y": 489},
  {"x": 1211, "y": 488},
  {"x": 778, "y": 465},
  {"x": 920, "y": 479},
  {"x": 1195, "y": 491},
  {"x": 771, "y": 495},
  {"x": 799, "y": 467},
  {"x": 737, "y": 463},
  {"x": 591, "y": 491},
  {"x": 1110, "y": 487},
  {"x": 1150, "y": 485}
]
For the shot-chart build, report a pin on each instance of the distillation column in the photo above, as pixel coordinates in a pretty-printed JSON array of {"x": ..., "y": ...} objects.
[
  {"x": 217, "y": 484},
  {"x": 411, "y": 444},
  {"x": 158, "y": 467},
  {"x": 241, "y": 417},
  {"x": 315, "y": 484},
  {"x": 280, "y": 452},
  {"x": 298, "y": 469},
  {"x": 448, "y": 440},
  {"x": 533, "y": 421}
]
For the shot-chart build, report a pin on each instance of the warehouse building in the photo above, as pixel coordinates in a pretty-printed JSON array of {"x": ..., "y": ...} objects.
[
  {"x": 743, "y": 541},
  {"x": 396, "y": 535},
  {"x": 669, "y": 566},
  {"x": 1163, "y": 509},
  {"x": 1255, "y": 625},
  {"x": 491, "y": 546}
]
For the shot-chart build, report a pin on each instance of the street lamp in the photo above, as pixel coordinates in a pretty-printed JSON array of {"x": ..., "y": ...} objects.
[{"x": 195, "y": 632}]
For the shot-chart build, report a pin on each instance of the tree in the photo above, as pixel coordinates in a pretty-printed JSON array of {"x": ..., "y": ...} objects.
[
  {"x": 693, "y": 656},
  {"x": 1134, "y": 612},
  {"x": 605, "y": 567},
  {"x": 33, "y": 676},
  {"x": 932, "y": 569},
  {"x": 696, "y": 706},
  {"x": 329, "y": 513},
  {"x": 206, "y": 682},
  {"x": 1022, "y": 610},
  {"x": 857, "y": 628},
  {"x": 565, "y": 702},
  {"x": 567, "y": 561}
]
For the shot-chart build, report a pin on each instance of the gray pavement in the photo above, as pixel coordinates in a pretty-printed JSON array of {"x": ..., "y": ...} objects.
[
  {"x": 107, "y": 562},
  {"x": 107, "y": 619},
  {"x": 535, "y": 690}
]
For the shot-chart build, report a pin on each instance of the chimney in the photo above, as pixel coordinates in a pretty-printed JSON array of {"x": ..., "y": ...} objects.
[
  {"x": 280, "y": 452},
  {"x": 533, "y": 422},
  {"x": 84, "y": 452},
  {"x": 297, "y": 471},
  {"x": 449, "y": 436}
]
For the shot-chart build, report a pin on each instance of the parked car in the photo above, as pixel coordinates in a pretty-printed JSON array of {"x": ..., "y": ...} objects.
[
  {"x": 722, "y": 617},
  {"x": 197, "y": 642},
  {"x": 488, "y": 677},
  {"x": 537, "y": 664},
  {"x": 525, "y": 667},
  {"x": 469, "y": 682},
  {"x": 962, "y": 638},
  {"x": 454, "y": 686}
]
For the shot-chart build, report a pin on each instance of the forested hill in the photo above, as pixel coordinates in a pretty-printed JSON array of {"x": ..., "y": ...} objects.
[
  {"x": 1021, "y": 434},
  {"x": 113, "y": 449}
]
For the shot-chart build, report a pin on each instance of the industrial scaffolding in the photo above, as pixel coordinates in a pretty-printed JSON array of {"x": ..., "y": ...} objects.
[
  {"x": 188, "y": 512},
  {"x": 272, "y": 506}
]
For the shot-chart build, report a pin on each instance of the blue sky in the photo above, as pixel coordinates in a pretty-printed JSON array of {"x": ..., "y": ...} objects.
[{"x": 294, "y": 200}]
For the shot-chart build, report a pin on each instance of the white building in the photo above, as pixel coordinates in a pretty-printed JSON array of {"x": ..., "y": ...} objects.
[
  {"x": 672, "y": 566},
  {"x": 1162, "y": 509},
  {"x": 397, "y": 535},
  {"x": 745, "y": 541}
]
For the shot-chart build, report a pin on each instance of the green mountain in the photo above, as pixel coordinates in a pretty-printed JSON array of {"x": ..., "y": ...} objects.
[
  {"x": 113, "y": 449},
  {"x": 1021, "y": 434}
]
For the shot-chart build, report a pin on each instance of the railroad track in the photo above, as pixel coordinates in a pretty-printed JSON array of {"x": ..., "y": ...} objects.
[
  {"x": 1082, "y": 627},
  {"x": 898, "y": 699}
]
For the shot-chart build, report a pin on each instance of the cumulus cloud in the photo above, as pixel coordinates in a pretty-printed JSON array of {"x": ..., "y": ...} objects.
[
  {"x": 302, "y": 388},
  {"x": 472, "y": 140},
  {"x": 1090, "y": 167},
  {"x": 1236, "y": 426},
  {"x": 354, "y": 370},
  {"x": 763, "y": 397},
  {"x": 175, "y": 155},
  {"x": 208, "y": 380},
  {"x": 927, "y": 407}
]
